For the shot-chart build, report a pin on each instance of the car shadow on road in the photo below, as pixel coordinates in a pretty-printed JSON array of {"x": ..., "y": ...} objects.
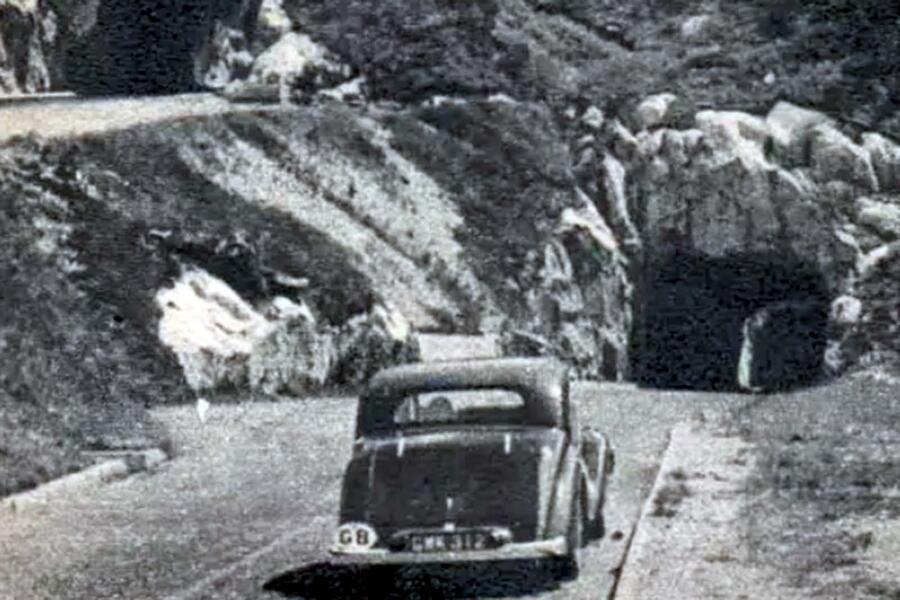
[{"x": 506, "y": 579}]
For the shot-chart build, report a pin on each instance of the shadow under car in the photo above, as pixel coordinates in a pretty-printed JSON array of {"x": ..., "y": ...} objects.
[{"x": 500, "y": 579}]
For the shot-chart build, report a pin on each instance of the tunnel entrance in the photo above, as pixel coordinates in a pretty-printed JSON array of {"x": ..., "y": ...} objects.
[
  {"x": 142, "y": 47},
  {"x": 707, "y": 323}
]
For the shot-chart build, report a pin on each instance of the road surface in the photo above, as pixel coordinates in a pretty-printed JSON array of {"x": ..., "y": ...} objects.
[
  {"x": 248, "y": 506},
  {"x": 71, "y": 117}
]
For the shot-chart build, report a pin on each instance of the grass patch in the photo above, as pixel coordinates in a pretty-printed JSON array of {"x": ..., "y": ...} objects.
[{"x": 829, "y": 459}]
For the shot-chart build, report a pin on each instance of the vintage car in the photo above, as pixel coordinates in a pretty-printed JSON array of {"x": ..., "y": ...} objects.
[{"x": 470, "y": 461}]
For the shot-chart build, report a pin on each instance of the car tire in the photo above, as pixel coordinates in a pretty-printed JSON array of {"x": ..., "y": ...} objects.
[
  {"x": 566, "y": 567},
  {"x": 596, "y": 529}
]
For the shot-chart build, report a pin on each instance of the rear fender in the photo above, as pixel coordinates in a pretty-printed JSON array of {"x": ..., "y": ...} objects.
[
  {"x": 564, "y": 494},
  {"x": 355, "y": 489},
  {"x": 596, "y": 465}
]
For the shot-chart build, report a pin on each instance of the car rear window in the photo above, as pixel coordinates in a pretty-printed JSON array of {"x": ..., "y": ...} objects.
[{"x": 481, "y": 406}]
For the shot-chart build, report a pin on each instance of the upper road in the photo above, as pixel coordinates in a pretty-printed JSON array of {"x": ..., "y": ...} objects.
[
  {"x": 71, "y": 117},
  {"x": 247, "y": 508}
]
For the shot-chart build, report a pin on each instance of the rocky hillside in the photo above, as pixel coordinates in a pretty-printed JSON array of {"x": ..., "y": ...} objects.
[
  {"x": 835, "y": 55},
  {"x": 622, "y": 184}
]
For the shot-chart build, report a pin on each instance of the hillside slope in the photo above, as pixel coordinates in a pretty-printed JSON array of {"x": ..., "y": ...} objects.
[{"x": 289, "y": 209}]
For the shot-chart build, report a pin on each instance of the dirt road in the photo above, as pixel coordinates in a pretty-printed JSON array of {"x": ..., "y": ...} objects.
[
  {"x": 247, "y": 510},
  {"x": 68, "y": 117}
]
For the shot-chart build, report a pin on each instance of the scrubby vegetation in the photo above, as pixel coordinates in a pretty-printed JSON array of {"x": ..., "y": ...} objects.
[{"x": 72, "y": 376}]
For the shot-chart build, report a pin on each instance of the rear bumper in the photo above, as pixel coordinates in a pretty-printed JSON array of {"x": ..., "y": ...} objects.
[{"x": 555, "y": 547}]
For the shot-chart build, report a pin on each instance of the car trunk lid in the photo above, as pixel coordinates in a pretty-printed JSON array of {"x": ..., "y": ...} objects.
[{"x": 495, "y": 477}]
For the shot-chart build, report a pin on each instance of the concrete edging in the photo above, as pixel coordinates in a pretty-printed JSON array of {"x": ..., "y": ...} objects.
[
  {"x": 691, "y": 541},
  {"x": 112, "y": 469},
  {"x": 635, "y": 541}
]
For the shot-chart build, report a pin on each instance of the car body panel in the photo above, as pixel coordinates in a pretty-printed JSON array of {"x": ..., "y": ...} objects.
[{"x": 520, "y": 478}]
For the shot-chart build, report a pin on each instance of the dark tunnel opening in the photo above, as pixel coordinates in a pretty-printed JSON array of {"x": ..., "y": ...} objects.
[
  {"x": 741, "y": 322},
  {"x": 143, "y": 47}
]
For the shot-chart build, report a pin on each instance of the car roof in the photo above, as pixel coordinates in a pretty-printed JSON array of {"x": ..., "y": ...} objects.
[
  {"x": 539, "y": 381},
  {"x": 539, "y": 377}
]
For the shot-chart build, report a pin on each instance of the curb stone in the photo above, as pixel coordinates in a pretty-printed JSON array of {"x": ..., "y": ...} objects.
[
  {"x": 690, "y": 540},
  {"x": 122, "y": 465}
]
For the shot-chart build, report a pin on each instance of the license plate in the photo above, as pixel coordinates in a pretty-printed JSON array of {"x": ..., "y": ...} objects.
[{"x": 448, "y": 541}]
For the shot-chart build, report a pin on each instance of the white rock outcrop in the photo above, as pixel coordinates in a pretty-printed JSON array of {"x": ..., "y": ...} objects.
[
  {"x": 272, "y": 21},
  {"x": 654, "y": 109},
  {"x": 845, "y": 310},
  {"x": 296, "y": 57},
  {"x": 885, "y": 156},
  {"x": 789, "y": 126},
  {"x": 881, "y": 216},
  {"x": 834, "y": 156},
  {"x": 698, "y": 28},
  {"x": 222, "y": 340}
]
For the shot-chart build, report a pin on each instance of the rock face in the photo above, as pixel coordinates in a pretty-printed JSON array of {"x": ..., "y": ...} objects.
[
  {"x": 654, "y": 110},
  {"x": 629, "y": 254},
  {"x": 297, "y": 58},
  {"x": 211, "y": 329},
  {"x": 224, "y": 342},
  {"x": 27, "y": 30},
  {"x": 716, "y": 191},
  {"x": 743, "y": 215}
]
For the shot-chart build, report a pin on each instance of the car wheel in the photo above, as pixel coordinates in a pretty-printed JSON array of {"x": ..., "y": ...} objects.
[
  {"x": 592, "y": 517},
  {"x": 598, "y": 527},
  {"x": 567, "y": 567}
]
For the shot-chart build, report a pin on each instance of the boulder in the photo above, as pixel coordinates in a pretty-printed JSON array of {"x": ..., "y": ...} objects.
[
  {"x": 654, "y": 110},
  {"x": 698, "y": 28},
  {"x": 649, "y": 143},
  {"x": 731, "y": 126},
  {"x": 624, "y": 143},
  {"x": 272, "y": 23},
  {"x": 593, "y": 118},
  {"x": 880, "y": 216},
  {"x": 789, "y": 126},
  {"x": 588, "y": 220},
  {"x": 845, "y": 311},
  {"x": 678, "y": 147},
  {"x": 285, "y": 309},
  {"x": 293, "y": 358},
  {"x": 222, "y": 341},
  {"x": 834, "y": 156},
  {"x": 296, "y": 58},
  {"x": 614, "y": 179},
  {"x": 210, "y": 329},
  {"x": 876, "y": 261},
  {"x": 351, "y": 92},
  {"x": 885, "y": 156}
]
